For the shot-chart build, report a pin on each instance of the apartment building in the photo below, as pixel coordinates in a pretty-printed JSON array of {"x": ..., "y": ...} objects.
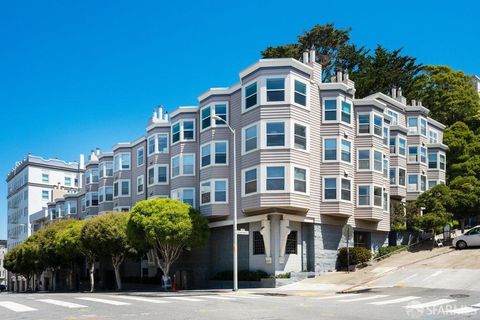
[
  {"x": 32, "y": 184},
  {"x": 310, "y": 159},
  {"x": 3, "y": 271}
]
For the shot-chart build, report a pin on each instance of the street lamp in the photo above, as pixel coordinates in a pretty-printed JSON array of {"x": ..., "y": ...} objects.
[{"x": 235, "y": 232}]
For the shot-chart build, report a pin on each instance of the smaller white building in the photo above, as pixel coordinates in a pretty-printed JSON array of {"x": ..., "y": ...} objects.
[{"x": 3, "y": 272}]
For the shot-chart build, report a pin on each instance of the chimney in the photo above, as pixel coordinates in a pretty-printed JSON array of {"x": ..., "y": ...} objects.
[
  {"x": 154, "y": 115},
  {"x": 81, "y": 164},
  {"x": 165, "y": 116},
  {"x": 345, "y": 75},
  {"x": 414, "y": 102},
  {"x": 394, "y": 92},
  {"x": 399, "y": 93},
  {"x": 160, "y": 112},
  {"x": 339, "y": 76},
  {"x": 97, "y": 151},
  {"x": 312, "y": 57},
  {"x": 419, "y": 103},
  {"x": 305, "y": 57},
  {"x": 92, "y": 154}
]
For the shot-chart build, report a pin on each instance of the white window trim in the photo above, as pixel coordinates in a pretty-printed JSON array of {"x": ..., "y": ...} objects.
[
  {"x": 119, "y": 155},
  {"x": 155, "y": 175},
  {"x": 418, "y": 155},
  {"x": 420, "y": 118},
  {"x": 182, "y": 138},
  {"x": 370, "y": 160},
  {"x": 181, "y": 174},
  {"x": 144, "y": 156},
  {"x": 155, "y": 141},
  {"x": 244, "y": 140},
  {"x": 143, "y": 183},
  {"x": 257, "y": 80},
  {"x": 213, "y": 200},
  {"x": 286, "y": 88},
  {"x": 120, "y": 188},
  {"x": 370, "y": 122},
  {"x": 211, "y": 144},
  {"x": 213, "y": 123},
  {"x": 413, "y": 132},
  {"x": 119, "y": 208},
  {"x": 339, "y": 100},
  {"x": 382, "y": 156},
  {"x": 287, "y": 136},
  {"x": 372, "y": 195},
  {"x": 244, "y": 181},
  {"x": 336, "y": 138},
  {"x": 387, "y": 110},
  {"x": 337, "y": 195},
  {"x": 180, "y": 191},
  {"x": 430, "y": 130},
  {"x": 263, "y": 177},
  {"x": 417, "y": 188},
  {"x": 292, "y": 179},
  {"x": 307, "y": 135},
  {"x": 292, "y": 79},
  {"x": 397, "y": 141}
]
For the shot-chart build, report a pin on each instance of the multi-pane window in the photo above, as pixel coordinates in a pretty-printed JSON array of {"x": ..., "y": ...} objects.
[
  {"x": 393, "y": 115},
  {"x": 219, "y": 194},
  {"x": 300, "y": 136},
  {"x": 151, "y": 175},
  {"x": 275, "y": 178},
  {"x": 346, "y": 112},
  {"x": 432, "y": 161},
  {"x": 385, "y": 201},
  {"x": 275, "y": 89},
  {"x": 377, "y": 161},
  {"x": 377, "y": 196},
  {"x": 423, "y": 126},
  {"x": 183, "y": 165},
  {"x": 377, "y": 125},
  {"x": 108, "y": 193},
  {"x": 300, "y": 180},
  {"x": 162, "y": 174},
  {"x": 413, "y": 154},
  {"x": 432, "y": 183},
  {"x": 68, "y": 182},
  {"x": 250, "y": 180},
  {"x": 330, "y": 149},
  {"x": 206, "y": 192},
  {"x": 220, "y": 190},
  {"x": 412, "y": 125},
  {"x": 121, "y": 188},
  {"x": 291, "y": 245},
  {"x": 330, "y": 110},
  {"x": 412, "y": 182},
  {"x": 183, "y": 130},
  {"x": 442, "y": 161},
  {"x": 151, "y": 145},
  {"x": 186, "y": 195},
  {"x": 219, "y": 151},
  {"x": 385, "y": 135},
  {"x": 423, "y": 155},
  {"x": 401, "y": 176},
  {"x": 364, "y": 159},
  {"x": 258, "y": 245},
  {"x": 121, "y": 162},
  {"x": 45, "y": 178},
  {"x": 423, "y": 183},
  {"x": 346, "y": 151},
  {"x": 159, "y": 143},
  {"x": 300, "y": 94},
  {"x": 363, "y": 195},
  {"x": 205, "y": 154},
  {"x": 432, "y": 136},
  {"x": 45, "y": 195},
  {"x": 251, "y": 95},
  {"x": 364, "y": 123},
  {"x": 140, "y": 157},
  {"x": 393, "y": 145},
  {"x": 346, "y": 192},
  {"x": 385, "y": 168},
  {"x": 330, "y": 188},
  {"x": 402, "y": 146},
  {"x": 251, "y": 138},
  {"x": 207, "y": 112},
  {"x": 393, "y": 176},
  {"x": 105, "y": 169},
  {"x": 275, "y": 134}
]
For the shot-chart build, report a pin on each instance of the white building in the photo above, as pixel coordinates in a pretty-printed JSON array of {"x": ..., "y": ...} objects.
[{"x": 3, "y": 272}]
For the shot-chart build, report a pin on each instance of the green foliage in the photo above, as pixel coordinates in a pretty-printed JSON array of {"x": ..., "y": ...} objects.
[
  {"x": 357, "y": 255},
  {"x": 167, "y": 226},
  {"x": 398, "y": 217},
  {"x": 67, "y": 241},
  {"x": 448, "y": 94},
  {"x": 411, "y": 211},
  {"x": 465, "y": 191},
  {"x": 436, "y": 204},
  {"x": 286, "y": 275},
  {"x": 383, "y": 251},
  {"x": 243, "y": 275}
]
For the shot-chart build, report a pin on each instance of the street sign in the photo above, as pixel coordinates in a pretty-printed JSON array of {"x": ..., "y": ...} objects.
[
  {"x": 347, "y": 232},
  {"x": 242, "y": 232}
]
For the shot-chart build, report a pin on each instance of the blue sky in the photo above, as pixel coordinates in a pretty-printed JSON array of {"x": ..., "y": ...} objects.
[{"x": 75, "y": 75}]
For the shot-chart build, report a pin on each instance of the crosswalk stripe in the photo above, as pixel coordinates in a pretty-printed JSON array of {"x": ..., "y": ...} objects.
[
  {"x": 185, "y": 299},
  {"x": 112, "y": 302},
  {"x": 476, "y": 305},
  {"x": 430, "y": 304},
  {"x": 463, "y": 310},
  {"x": 17, "y": 307},
  {"x": 392, "y": 301},
  {"x": 376, "y": 296},
  {"x": 151, "y": 300},
  {"x": 217, "y": 297},
  {"x": 338, "y": 296},
  {"x": 63, "y": 303}
]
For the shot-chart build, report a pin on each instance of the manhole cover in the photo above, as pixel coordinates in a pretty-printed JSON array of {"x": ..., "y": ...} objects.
[{"x": 459, "y": 296}]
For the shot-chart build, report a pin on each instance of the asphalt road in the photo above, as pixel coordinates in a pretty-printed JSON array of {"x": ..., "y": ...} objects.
[{"x": 386, "y": 303}]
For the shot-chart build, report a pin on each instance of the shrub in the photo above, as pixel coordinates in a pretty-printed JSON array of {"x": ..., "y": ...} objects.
[
  {"x": 357, "y": 255},
  {"x": 243, "y": 275},
  {"x": 282, "y": 276},
  {"x": 383, "y": 251}
]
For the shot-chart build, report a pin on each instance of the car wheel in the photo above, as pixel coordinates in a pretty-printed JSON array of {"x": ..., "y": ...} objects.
[{"x": 461, "y": 245}]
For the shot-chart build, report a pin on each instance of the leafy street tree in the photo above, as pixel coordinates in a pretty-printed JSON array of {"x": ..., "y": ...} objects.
[
  {"x": 398, "y": 217},
  {"x": 466, "y": 194},
  {"x": 167, "y": 226},
  {"x": 88, "y": 244},
  {"x": 448, "y": 94}
]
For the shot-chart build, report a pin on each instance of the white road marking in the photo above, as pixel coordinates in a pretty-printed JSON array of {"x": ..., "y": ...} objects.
[
  {"x": 376, "y": 296},
  {"x": 430, "y": 304},
  {"x": 464, "y": 310},
  {"x": 245, "y": 296},
  {"x": 217, "y": 297},
  {"x": 392, "y": 301},
  {"x": 185, "y": 299},
  {"x": 17, "y": 307},
  {"x": 338, "y": 296},
  {"x": 63, "y": 303},
  {"x": 151, "y": 300},
  {"x": 112, "y": 302},
  {"x": 476, "y": 305},
  {"x": 408, "y": 278},
  {"x": 432, "y": 276}
]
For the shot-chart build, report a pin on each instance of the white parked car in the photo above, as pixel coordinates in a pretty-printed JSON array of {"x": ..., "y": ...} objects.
[{"x": 471, "y": 238}]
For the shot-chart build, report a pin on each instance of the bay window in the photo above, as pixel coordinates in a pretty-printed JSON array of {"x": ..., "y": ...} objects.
[
  {"x": 329, "y": 189},
  {"x": 275, "y": 178},
  {"x": 275, "y": 134},
  {"x": 275, "y": 89},
  {"x": 250, "y": 181},
  {"x": 300, "y": 180},
  {"x": 251, "y": 95},
  {"x": 300, "y": 93}
]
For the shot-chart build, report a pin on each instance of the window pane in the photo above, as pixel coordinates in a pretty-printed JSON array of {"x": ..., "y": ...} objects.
[
  {"x": 162, "y": 174},
  {"x": 162, "y": 143},
  {"x": 377, "y": 196},
  {"x": 346, "y": 151},
  {"x": 251, "y": 138},
  {"x": 330, "y": 110},
  {"x": 300, "y": 137},
  {"x": 330, "y": 188},
  {"x": 187, "y": 164},
  {"x": 206, "y": 155},
  {"x": 346, "y": 112},
  {"x": 220, "y": 191},
  {"x": 251, "y": 181},
  {"x": 330, "y": 149},
  {"x": 275, "y": 134},
  {"x": 276, "y": 89},
  {"x": 364, "y": 123},
  {"x": 206, "y": 120},
  {"x": 300, "y": 93},
  {"x": 346, "y": 190},
  {"x": 251, "y": 95},
  {"x": 220, "y": 152},
  {"x": 364, "y": 159},
  {"x": 221, "y": 111},
  {"x": 300, "y": 180},
  {"x": 364, "y": 195},
  {"x": 275, "y": 178}
]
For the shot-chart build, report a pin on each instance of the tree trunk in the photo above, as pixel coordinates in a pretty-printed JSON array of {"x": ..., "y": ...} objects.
[
  {"x": 92, "y": 275},
  {"x": 117, "y": 262},
  {"x": 462, "y": 225},
  {"x": 54, "y": 280},
  {"x": 433, "y": 238},
  {"x": 70, "y": 279}
]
